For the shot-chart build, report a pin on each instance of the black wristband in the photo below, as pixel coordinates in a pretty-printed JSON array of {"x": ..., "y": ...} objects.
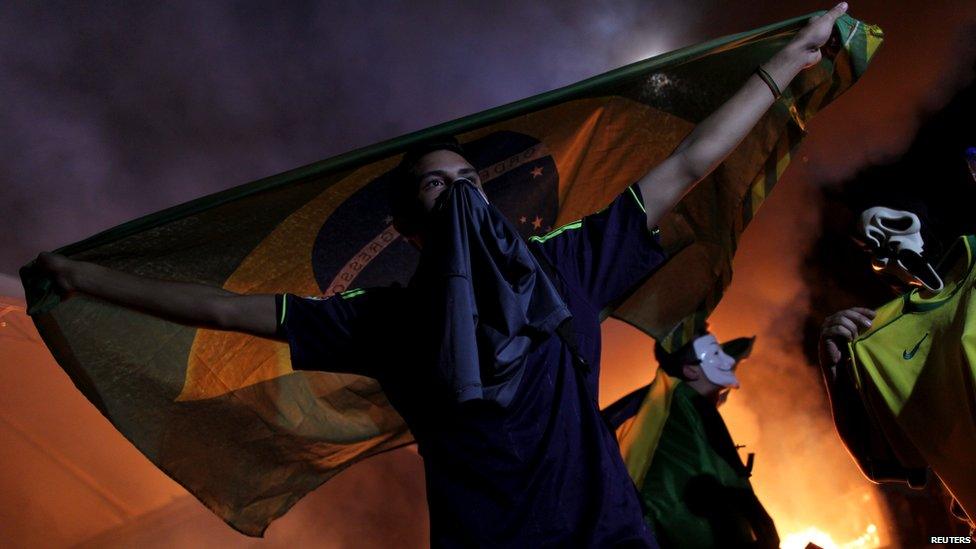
[{"x": 761, "y": 72}]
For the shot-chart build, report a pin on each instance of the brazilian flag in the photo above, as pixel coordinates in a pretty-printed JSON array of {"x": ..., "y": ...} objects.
[{"x": 226, "y": 416}]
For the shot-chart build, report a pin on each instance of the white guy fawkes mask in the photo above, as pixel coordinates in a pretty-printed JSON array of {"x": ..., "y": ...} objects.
[
  {"x": 718, "y": 367},
  {"x": 895, "y": 239}
]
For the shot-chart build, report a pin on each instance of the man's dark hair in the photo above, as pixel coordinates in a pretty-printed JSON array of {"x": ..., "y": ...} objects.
[
  {"x": 673, "y": 363},
  {"x": 405, "y": 208}
]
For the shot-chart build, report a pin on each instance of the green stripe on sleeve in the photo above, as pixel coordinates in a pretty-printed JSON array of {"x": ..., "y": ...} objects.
[
  {"x": 637, "y": 198},
  {"x": 349, "y": 294},
  {"x": 284, "y": 307},
  {"x": 571, "y": 225}
]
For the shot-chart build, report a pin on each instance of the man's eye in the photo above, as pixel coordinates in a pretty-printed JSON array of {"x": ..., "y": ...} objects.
[{"x": 432, "y": 182}]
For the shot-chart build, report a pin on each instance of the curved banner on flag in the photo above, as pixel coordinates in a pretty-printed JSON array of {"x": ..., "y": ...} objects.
[{"x": 227, "y": 417}]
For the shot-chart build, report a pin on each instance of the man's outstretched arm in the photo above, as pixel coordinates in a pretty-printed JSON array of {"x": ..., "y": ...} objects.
[
  {"x": 716, "y": 136},
  {"x": 183, "y": 302}
]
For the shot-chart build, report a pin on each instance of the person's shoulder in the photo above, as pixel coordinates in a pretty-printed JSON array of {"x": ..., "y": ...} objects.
[
  {"x": 684, "y": 401},
  {"x": 628, "y": 199},
  {"x": 564, "y": 229}
]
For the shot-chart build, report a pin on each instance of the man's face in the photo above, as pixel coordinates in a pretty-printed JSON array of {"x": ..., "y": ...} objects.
[{"x": 435, "y": 172}]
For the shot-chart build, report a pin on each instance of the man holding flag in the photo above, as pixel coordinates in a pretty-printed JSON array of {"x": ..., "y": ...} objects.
[{"x": 480, "y": 358}]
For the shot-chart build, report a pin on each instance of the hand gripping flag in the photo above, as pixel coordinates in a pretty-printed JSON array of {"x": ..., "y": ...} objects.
[{"x": 227, "y": 417}]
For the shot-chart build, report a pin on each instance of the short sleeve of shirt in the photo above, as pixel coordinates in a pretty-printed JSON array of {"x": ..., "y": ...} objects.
[
  {"x": 606, "y": 254},
  {"x": 333, "y": 334}
]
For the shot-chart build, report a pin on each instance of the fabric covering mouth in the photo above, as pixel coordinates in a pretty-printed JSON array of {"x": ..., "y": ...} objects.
[{"x": 486, "y": 298}]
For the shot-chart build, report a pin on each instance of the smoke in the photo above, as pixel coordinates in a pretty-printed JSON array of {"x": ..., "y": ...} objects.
[
  {"x": 114, "y": 110},
  {"x": 923, "y": 62},
  {"x": 11, "y": 287},
  {"x": 783, "y": 270},
  {"x": 802, "y": 474}
]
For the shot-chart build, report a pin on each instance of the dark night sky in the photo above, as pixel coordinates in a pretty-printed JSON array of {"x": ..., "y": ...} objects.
[{"x": 116, "y": 110}]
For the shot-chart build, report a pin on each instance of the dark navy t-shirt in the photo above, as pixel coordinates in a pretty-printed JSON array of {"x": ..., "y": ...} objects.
[{"x": 543, "y": 471}]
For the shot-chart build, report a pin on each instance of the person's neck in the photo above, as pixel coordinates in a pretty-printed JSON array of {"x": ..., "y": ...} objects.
[{"x": 705, "y": 388}]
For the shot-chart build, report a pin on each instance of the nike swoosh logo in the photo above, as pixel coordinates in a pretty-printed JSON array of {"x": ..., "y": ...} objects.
[{"x": 907, "y": 355}]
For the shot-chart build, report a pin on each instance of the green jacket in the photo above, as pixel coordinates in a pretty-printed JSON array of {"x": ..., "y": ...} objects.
[{"x": 696, "y": 490}]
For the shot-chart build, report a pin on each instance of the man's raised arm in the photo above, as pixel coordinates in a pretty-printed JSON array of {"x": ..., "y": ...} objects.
[
  {"x": 183, "y": 302},
  {"x": 716, "y": 136}
]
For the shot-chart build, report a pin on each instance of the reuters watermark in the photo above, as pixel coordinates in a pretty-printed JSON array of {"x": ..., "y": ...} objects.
[{"x": 950, "y": 539}]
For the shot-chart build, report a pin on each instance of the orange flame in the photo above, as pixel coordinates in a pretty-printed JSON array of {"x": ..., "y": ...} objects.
[{"x": 800, "y": 540}]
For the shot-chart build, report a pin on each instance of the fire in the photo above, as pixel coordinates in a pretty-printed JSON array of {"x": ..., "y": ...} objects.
[
  {"x": 802, "y": 474},
  {"x": 800, "y": 540}
]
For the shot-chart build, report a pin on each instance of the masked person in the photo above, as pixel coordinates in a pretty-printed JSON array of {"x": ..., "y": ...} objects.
[
  {"x": 694, "y": 486},
  {"x": 901, "y": 379},
  {"x": 478, "y": 355}
]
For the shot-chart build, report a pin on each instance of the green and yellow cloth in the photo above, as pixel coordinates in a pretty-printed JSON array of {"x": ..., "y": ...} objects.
[
  {"x": 914, "y": 372},
  {"x": 695, "y": 488}
]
